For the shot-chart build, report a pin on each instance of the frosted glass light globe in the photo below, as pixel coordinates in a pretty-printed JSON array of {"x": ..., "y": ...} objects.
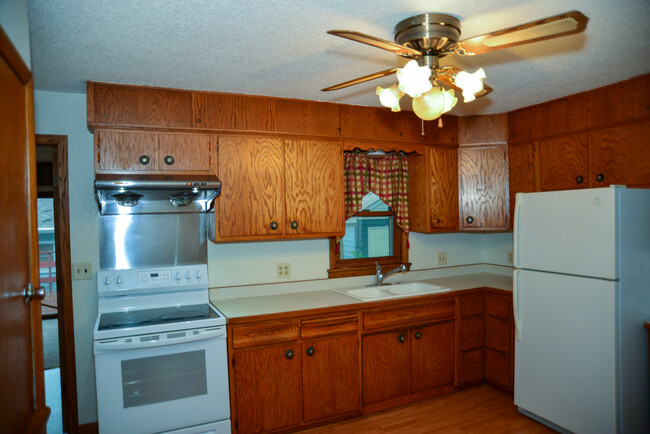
[
  {"x": 389, "y": 97},
  {"x": 414, "y": 79},
  {"x": 470, "y": 83},
  {"x": 434, "y": 103}
]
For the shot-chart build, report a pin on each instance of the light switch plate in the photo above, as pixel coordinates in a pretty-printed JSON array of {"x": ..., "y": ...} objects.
[{"x": 82, "y": 271}]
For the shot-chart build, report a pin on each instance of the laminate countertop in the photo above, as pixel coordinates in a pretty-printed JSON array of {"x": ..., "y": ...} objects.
[{"x": 299, "y": 301}]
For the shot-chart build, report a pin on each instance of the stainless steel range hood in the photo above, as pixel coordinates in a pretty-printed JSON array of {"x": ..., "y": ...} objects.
[{"x": 155, "y": 195}]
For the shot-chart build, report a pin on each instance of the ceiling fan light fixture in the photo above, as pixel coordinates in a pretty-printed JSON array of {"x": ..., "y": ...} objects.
[
  {"x": 471, "y": 84},
  {"x": 389, "y": 97},
  {"x": 434, "y": 103},
  {"x": 414, "y": 79}
]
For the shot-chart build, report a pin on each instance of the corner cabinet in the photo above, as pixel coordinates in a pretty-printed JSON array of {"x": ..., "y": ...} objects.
[
  {"x": 499, "y": 340},
  {"x": 483, "y": 188},
  {"x": 279, "y": 188}
]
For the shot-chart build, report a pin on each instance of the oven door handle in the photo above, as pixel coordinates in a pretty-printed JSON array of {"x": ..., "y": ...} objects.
[{"x": 163, "y": 339}]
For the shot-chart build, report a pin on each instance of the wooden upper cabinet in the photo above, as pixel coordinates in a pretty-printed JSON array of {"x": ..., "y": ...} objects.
[
  {"x": 563, "y": 163},
  {"x": 521, "y": 172},
  {"x": 622, "y": 101},
  {"x": 483, "y": 130},
  {"x": 620, "y": 155},
  {"x": 314, "y": 187},
  {"x": 369, "y": 122},
  {"x": 232, "y": 112},
  {"x": 138, "y": 106},
  {"x": 251, "y": 203},
  {"x": 433, "y": 190},
  {"x": 484, "y": 188},
  {"x": 307, "y": 117},
  {"x": 126, "y": 151},
  {"x": 522, "y": 124}
]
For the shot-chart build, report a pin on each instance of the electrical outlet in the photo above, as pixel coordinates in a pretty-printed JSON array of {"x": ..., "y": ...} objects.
[
  {"x": 82, "y": 271},
  {"x": 283, "y": 270},
  {"x": 442, "y": 258},
  {"x": 510, "y": 257}
]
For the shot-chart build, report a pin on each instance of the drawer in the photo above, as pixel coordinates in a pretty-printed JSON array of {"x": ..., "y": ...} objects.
[
  {"x": 498, "y": 305},
  {"x": 472, "y": 332},
  {"x": 335, "y": 325},
  {"x": 265, "y": 333},
  {"x": 471, "y": 304},
  {"x": 405, "y": 316}
]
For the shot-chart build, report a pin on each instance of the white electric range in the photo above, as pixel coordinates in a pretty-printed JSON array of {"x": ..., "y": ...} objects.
[{"x": 160, "y": 352}]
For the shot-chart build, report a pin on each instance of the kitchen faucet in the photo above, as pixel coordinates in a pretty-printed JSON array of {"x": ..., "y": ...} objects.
[{"x": 381, "y": 277}]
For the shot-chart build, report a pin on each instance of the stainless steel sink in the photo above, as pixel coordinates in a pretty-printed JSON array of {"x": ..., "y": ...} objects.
[{"x": 394, "y": 290}]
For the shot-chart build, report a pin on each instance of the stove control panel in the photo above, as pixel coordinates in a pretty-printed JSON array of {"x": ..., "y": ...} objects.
[{"x": 151, "y": 280}]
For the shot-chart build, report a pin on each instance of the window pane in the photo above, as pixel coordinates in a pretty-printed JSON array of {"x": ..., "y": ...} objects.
[{"x": 367, "y": 237}]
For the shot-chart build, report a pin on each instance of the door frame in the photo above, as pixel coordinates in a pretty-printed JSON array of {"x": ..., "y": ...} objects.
[{"x": 59, "y": 145}]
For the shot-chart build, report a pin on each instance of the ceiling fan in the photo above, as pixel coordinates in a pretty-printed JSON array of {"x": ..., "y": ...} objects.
[{"x": 425, "y": 38}]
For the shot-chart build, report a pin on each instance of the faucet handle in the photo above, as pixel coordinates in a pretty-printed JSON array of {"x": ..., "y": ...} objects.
[{"x": 377, "y": 267}]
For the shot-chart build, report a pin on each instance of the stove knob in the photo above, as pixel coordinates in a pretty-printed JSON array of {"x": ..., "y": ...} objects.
[
  {"x": 198, "y": 274},
  {"x": 107, "y": 280},
  {"x": 178, "y": 275},
  {"x": 188, "y": 275},
  {"x": 119, "y": 280}
]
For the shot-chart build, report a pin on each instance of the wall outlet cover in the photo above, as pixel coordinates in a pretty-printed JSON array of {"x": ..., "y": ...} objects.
[
  {"x": 442, "y": 258},
  {"x": 82, "y": 271},
  {"x": 509, "y": 257},
  {"x": 283, "y": 270}
]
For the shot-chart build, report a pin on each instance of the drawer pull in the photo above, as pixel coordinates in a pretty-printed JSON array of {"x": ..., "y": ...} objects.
[
  {"x": 144, "y": 159},
  {"x": 310, "y": 351}
]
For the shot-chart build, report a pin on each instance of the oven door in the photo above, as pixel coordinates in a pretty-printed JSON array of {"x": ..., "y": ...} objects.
[{"x": 163, "y": 381}]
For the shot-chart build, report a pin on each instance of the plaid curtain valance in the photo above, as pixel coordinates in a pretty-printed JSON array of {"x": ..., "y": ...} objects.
[{"x": 387, "y": 177}]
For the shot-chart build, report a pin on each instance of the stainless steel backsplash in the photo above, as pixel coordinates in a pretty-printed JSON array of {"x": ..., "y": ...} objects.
[{"x": 149, "y": 240}]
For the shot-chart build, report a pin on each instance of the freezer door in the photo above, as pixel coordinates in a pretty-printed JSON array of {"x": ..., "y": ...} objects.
[
  {"x": 565, "y": 351},
  {"x": 571, "y": 232}
]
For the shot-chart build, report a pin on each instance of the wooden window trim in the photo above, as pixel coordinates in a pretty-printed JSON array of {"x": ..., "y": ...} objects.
[{"x": 366, "y": 266}]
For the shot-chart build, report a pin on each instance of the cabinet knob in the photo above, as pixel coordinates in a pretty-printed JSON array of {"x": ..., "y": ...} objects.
[
  {"x": 469, "y": 220},
  {"x": 169, "y": 160},
  {"x": 294, "y": 225},
  {"x": 105, "y": 116},
  {"x": 311, "y": 351},
  {"x": 437, "y": 221},
  {"x": 289, "y": 354},
  {"x": 198, "y": 120},
  {"x": 273, "y": 225},
  {"x": 144, "y": 159},
  {"x": 401, "y": 338},
  {"x": 579, "y": 179},
  {"x": 600, "y": 177},
  {"x": 418, "y": 335}
]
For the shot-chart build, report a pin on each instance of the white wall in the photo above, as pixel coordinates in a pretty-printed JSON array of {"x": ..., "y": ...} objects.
[
  {"x": 15, "y": 22},
  {"x": 65, "y": 114}
]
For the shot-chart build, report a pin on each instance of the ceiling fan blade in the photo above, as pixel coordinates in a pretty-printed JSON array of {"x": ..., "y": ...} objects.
[
  {"x": 447, "y": 80},
  {"x": 376, "y": 42},
  {"x": 361, "y": 79},
  {"x": 547, "y": 28}
]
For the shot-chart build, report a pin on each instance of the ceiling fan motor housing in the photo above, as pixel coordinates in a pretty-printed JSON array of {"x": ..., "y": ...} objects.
[{"x": 429, "y": 33}]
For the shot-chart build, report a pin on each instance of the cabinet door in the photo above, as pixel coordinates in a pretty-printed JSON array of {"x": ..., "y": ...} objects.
[
  {"x": 563, "y": 163},
  {"x": 188, "y": 152},
  {"x": 267, "y": 388},
  {"x": 620, "y": 155},
  {"x": 521, "y": 171},
  {"x": 252, "y": 176},
  {"x": 330, "y": 370},
  {"x": 484, "y": 187},
  {"x": 385, "y": 366},
  {"x": 314, "y": 187},
  {"x": 432, "y": 356},
  {"x": 121, "y": 151},
  {"x": 444, "y": 188}
]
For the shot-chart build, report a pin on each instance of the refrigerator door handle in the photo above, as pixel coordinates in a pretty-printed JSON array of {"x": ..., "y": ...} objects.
[
  {"x": 515, "y": 304},
  {"x": 516, "y": 231}
]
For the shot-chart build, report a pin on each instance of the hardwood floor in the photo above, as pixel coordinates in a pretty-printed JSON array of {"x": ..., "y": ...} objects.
[{"x": 481, "y": 409}]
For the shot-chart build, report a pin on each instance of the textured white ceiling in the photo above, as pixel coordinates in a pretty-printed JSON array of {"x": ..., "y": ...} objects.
[{"x": 280, "y": 48}]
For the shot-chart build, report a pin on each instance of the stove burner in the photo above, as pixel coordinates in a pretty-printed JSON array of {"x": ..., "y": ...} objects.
[
  {"x": 182, "y": 315},
  {"x": 128, "y": 321}
]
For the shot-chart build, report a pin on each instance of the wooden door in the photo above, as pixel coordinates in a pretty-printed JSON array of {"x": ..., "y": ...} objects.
[
  {"x": 314, "y": 187},
  {"x": 444, "y": 188},
  {"x": 484, "y": 188},
  {"x": 330, "y": 372},
  {"x": 21, "y": 359},
  {"x": 267, "y": 388},
  {"x": 191, "y": 153},
  {"x": 620, "y": 155},
  {"x": 563, "y": 163},
  {"x": 385, "y": 365},
  {"x": 521, "y": 172},
  {"x": 126, "y": 151},
  {"x": 432, "y": 356},
  {"x": 251, "y": 171}
]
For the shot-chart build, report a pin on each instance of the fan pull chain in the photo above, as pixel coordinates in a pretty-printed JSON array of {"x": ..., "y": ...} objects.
[
  {"x": 422, "y": 120},
  {"x": 440, "y": 122}
]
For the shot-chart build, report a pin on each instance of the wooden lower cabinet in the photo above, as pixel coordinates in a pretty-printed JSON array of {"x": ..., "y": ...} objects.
[
  {"x": 499, "y": 340},
  {"x": 330, "y": 377},
  {"x": 432, "y": 356},
  {"x": 471, "y": 353},
  {"x": 267, "y": 387},
  {"x": 385, "y": 365}
]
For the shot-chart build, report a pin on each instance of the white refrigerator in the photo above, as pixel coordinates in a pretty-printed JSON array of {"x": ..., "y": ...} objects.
[{"x": 581, "y": 293}]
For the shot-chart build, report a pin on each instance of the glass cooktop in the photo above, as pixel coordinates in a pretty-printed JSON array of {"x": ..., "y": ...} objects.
[{"x": 148, "y": 317}]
